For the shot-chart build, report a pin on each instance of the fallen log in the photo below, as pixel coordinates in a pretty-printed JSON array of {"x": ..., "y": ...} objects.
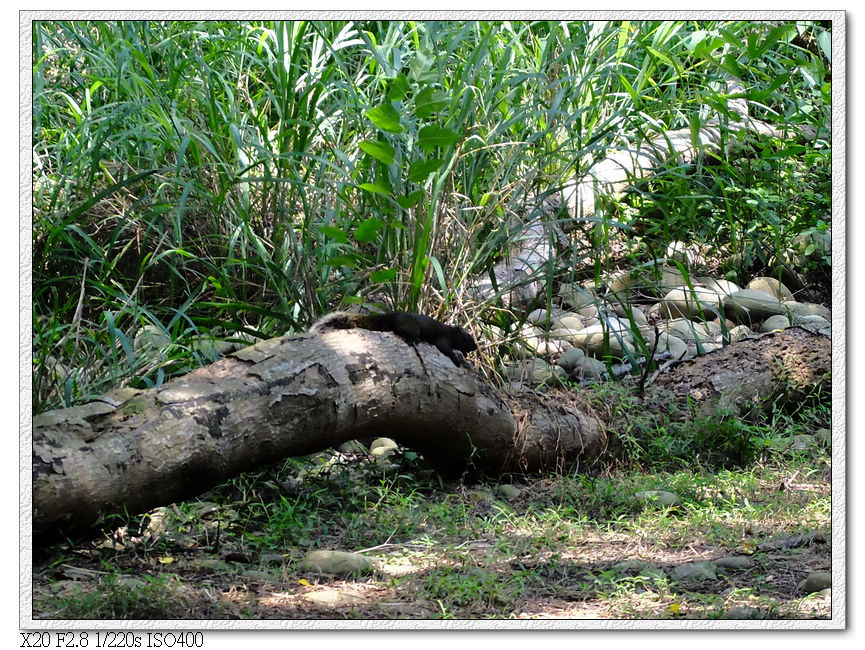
[{"x": 291, "y": 396}]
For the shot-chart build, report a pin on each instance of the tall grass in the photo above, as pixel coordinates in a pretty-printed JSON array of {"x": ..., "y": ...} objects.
[{"x": 220, "y": 178}]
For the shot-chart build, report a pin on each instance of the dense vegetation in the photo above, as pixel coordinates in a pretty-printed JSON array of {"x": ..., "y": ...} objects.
[
  {"x": 218, "y": 179},
  {"x": 197, "y": 182}
]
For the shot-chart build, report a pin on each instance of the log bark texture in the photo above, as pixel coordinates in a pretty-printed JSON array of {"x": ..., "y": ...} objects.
[{"x": 296, "y": 395}]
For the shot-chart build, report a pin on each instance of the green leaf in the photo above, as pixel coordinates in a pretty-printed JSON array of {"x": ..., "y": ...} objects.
[
  {"x": 694, "y": 126},
  {"x": 431, "y": 137},
  {"x": 385, "y": 118},
  {"x": 406, "y": 202},
  {"x": 752, "y": 46},
  {"x": 334, "y": 233},
  {"x": 624, "y": 37},
  {"x": 695, "y": 39},
  {"x": 781, "y": 33},
  {"x": 628, "y": 87},
  {"x": 372, "y": 188},
  {"x": 824, "y": 40},
  {"x": 731, "y": 65},
  {"x": 379, "y": 150},
  {"x": 367, "y": 230},
  {"x": 420, "y": 66},
  {"x": 398, "y": 88},
  {"x": 342, "y": 260},
  {"x": 420, "y": 170},
  {"x": 660, "y": 55},
  {"x": 429, "y": 101},
  {"x": 384, "y": 275}
]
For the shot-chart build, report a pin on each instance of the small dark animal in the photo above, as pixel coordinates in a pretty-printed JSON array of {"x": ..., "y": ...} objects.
[{"x": 453, "y": 342}]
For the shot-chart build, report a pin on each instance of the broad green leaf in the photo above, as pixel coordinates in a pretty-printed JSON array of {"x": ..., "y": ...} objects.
[
  {"x": 824, "y": 40},
  {"x": 398, "y": 88},
  {"x": 696, "y": 37},
  {"x": 383, "y": 275},
  {"x": 420, "y": 170},
  {"x": 334, "y": 233},
  {"x": 406, "y": 202},
  {"x": 372, "y": 188},
  {"x": 431, "y": 137},
  {"x": 367, "y": 230},
  {"x": 342, "y": 260},
  {"x": 379, "y": 150},
  {"x": 385, "y": 118},
  {"x": 429, "y": 101},
  {"x": 419, "y": 69},
  {"x": 731, "y": 65}
]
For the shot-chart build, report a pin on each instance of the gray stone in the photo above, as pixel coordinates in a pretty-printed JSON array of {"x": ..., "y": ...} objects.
[
  {"x": 334, "y": 598},
  {"x": 590, "y": 368},
  {"x": 681, "y": 252},
  {"x": 807, "y": 309},
  {"x": 737, "y": 562},
  {"x": 571, "y": 359},
  {"x": 570, "y": 321},
  {"x": 507, "y": 492},
  {"x": 674, "y": 345},
  {"x": 151, "y": 337},
  {"x": 690, "y": 302},
  {"x": 721, "y": 287},
  {"x": 130, "y": 582},
  {"x": 352, "y": 447},
  {"x": 543, "y": 347},
  {"x": 620, "y": 281},
  {"x": 258, "y": 576},
  {"x": 694, "y": 572},
  {"x": 814, "y": 319},
  {"x": 740, "y": 612},
  {"x": 771, "y": 286},
  {"x": 576, "y": 296},
  {"x": 801, "y": 442},
  {"x": 816, "y": 581},
  {"x": 383, "y": 447},
  {"x": 663, "y": 278},
  {"x": 778, "y": 322},
  {"x": 659, "y": 497},
  {"x": 535, "y": 371},
  {"x": 704, "y": 348},
  {"x": 335, "y": 563},
  {"x": 540, "y": 317},
  {"x": 819, "y": 240},
  {"x": 751, "y": 306},
  {"x": 621, "y": 311},
  {"x": 739, "y": 333},
  {"x": 601, "y": 343}
]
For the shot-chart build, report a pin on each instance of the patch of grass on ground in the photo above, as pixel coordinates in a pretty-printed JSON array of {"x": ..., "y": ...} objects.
[{"x": 566, "y": 546}]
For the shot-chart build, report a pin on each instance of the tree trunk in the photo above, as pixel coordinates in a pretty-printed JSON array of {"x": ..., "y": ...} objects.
[{"x": 296, "y": 395}]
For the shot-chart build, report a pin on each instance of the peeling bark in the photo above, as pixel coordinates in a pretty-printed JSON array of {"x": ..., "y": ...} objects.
[{"x": 749, "y": 375}]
